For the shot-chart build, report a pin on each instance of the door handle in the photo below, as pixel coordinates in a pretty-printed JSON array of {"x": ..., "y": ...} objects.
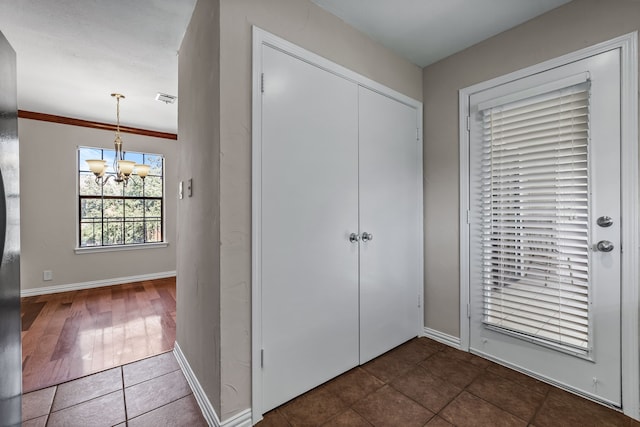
[
  {"x": 605, "y": 221},
  {"x": 604, "y": 246},
  {"x": 366, "y": 237},
  {"x": 354, "y": 238}
]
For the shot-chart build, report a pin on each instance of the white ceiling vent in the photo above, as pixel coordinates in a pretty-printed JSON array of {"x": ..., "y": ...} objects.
[{"x": 167, "y": 99}]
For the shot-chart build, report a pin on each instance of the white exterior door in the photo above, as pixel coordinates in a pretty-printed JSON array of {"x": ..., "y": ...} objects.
[
  {"x": 390, "y": 212},
  {"x": 309, "y": 209},
  {"x": 545, "y": 225}
]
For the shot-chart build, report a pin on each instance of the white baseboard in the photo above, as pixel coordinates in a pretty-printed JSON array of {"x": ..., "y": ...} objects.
[
  {"x": 94, "y": 284},
  {"x": 441, "y": 337},
  {"x": 243, "y": 419},
  {"x": 206, "y": 407}
]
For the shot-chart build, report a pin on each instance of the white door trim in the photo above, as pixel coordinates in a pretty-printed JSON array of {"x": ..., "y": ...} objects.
[
  {"x": 629, "y": 192},
  {"x": 260, "y": 38}
]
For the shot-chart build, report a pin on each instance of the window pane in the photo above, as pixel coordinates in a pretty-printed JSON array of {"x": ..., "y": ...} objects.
[
  {"x": 133, "y": 156},
  {"x": 88, "y": 185},
  {"x": 134, "y": 232},
  {"x": 153, "y": 186},
  {"x": 155, "y": 161},
  {"x": 114, "y": 209},
  {"x": 154, "y": 231},
  {"x": 113, "y": 232},
  {"x": 112, "y": 188},
  {"x": 91, "y": 209},
  {"x": 109, "y": 155},
  {"x": 134, "y": 187},
  {"x": 91, "y": 233},
  {"x": 153, "y": 209},
  {"x": 134, "y": 209},
  {"x": 85, "y": 153}
]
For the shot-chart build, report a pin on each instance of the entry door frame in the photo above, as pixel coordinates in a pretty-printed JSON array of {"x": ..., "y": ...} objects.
[
  {"x": 630, "y": 340},
  {"x": 263, "y": 38}
]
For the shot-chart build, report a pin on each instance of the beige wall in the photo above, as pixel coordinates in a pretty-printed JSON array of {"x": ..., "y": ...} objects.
[
  {"x": 579, "y": 24},
  {"x": 198, "y": 247},
  {"x": 49, "y": 205},
  {"x": 306, "y": 25}
]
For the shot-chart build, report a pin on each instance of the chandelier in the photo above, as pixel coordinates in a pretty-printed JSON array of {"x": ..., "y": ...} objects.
[{"x": 123, "y": 168}]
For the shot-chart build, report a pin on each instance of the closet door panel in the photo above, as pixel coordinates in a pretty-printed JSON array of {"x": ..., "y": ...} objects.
[
  {"x": 390, "y": 211},
  {"x": 309, "y": 208}
]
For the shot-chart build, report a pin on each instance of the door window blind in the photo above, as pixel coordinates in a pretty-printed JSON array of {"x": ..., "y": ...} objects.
[{"x": 535, "y": 217}]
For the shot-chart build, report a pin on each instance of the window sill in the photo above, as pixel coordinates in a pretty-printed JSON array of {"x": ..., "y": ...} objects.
[{"x": 117, "y": 248}]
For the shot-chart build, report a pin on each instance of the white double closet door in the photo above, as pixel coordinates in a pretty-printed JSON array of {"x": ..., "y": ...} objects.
[{"x": 337, "y": 160}]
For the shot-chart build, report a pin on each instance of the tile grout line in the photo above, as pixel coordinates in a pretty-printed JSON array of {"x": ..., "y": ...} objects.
[
  {"x": 484, "y": 371},
  {"x": 46, "y": 423},
  {"x": 161, "y": 406},
  {"x": 80, "y": 403},
  {"x": 414, "y": 365},
  {"x": 55, "y": 393},
  {"x": 462, "y": 389},
  {"x": 124, "y": 397},
  {"x": 496, "y": 406},
  {"x": 148, "y": 379}
]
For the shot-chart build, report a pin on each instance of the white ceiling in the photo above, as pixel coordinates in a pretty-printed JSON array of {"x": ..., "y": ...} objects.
[
  {"x": 72, "y": 54},
  {"x": 425, "y": 31}
]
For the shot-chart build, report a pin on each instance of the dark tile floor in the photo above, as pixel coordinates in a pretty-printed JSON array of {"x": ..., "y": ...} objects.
[
  {"x": 149, "y": 392},
  {"x": 424, "y": 383}
]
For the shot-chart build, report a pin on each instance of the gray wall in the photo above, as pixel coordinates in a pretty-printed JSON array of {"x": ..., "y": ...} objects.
[
  {"x": 198, "y": 240},
  {"x": 48, "y": 159},
  {"x": 576, "y": 25}
]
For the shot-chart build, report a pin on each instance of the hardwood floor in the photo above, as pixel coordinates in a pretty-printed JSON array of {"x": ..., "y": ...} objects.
[{"x": 72, "y": 334}]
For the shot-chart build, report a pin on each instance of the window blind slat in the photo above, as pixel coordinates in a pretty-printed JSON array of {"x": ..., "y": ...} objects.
[
  {"x": 563, "y": 167},
  {"x": 535, "y": 216},
  {"x": 567, "y": 294},
  {"x": 554, "y": 114},
  {"x": 540, "y": 135},
  {"x": 527, "y": 140},
  {"x": 530, "y": 130}
]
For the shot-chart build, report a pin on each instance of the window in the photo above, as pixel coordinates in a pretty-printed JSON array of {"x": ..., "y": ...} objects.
[
  {"x": 535, "y": 233},
  {"x": 115, "y": 214}
]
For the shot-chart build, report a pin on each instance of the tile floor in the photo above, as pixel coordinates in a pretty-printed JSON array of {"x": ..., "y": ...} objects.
[
  {"x": 424, "y": 383},
  {"x": 421, "y": 383},
  {"x": 149, "y": 392}
]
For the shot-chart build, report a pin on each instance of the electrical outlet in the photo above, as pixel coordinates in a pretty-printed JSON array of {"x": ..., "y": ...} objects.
[{"x": 47, "y": 275}]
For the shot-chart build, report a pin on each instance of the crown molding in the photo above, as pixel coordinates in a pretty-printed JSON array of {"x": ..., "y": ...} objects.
[{"x": 31, "y": 115}]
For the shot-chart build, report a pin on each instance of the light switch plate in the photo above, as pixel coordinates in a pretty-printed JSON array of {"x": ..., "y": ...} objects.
[{"x": 180, "y": 193}]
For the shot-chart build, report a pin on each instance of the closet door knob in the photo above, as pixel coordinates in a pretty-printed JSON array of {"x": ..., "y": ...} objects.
[
  {"x": 366, "y": 237},
  {"x": 353, "y": 238}
]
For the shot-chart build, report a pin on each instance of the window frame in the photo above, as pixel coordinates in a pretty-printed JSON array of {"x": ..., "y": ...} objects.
[{"x": 79, "y": 249}]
